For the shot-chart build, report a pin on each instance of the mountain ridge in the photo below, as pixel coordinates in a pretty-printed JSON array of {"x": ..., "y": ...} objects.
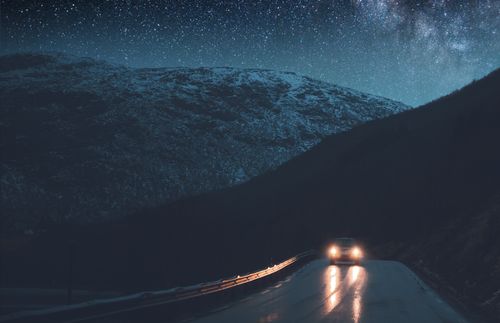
[{"x": 85, "y": 140}]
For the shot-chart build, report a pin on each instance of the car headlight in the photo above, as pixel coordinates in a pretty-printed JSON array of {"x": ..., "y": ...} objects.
[
  {"x": 334, "y": 251},
  {"x": 356, "y": 252}
]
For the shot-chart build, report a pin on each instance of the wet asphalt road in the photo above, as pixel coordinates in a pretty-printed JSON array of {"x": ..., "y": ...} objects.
[{"x": 376, "y": 292}]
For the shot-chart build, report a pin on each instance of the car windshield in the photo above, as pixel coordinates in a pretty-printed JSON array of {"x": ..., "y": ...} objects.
[{"x": 344, "y": 242}]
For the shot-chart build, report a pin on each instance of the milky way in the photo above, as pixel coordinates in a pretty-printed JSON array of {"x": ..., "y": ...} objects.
[{"x": 412, "y": 51}]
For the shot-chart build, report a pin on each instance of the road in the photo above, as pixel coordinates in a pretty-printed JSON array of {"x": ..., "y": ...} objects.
[{"x": 376, "y": 292}]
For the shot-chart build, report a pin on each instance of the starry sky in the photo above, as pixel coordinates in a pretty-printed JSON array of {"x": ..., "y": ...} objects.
[{"x": 411, "y": 51}]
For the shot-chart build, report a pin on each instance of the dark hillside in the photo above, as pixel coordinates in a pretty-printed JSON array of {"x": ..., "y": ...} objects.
[
  {"x": 396, "y": 178},
  {"x": 397, "y": 181},
  {"x": 86, "y": 141}
]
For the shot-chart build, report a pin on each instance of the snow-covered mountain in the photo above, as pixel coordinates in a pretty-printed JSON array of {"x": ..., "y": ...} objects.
[{"x": 85, "y": 140}]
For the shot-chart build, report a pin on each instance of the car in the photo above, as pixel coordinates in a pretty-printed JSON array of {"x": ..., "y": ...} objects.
[{"x": 345, "y": 250}]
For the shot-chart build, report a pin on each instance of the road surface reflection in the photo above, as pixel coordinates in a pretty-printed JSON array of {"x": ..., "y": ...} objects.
[
  {"x": 342, "y": 281},
  {"x": 378, "y": 291}
]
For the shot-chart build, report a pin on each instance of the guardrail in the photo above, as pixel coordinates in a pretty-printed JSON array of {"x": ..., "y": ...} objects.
[{"x": 98, "y": 309}]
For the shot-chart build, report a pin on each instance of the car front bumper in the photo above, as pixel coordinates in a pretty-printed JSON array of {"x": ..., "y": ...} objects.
[{"x": 347, "y": 258}]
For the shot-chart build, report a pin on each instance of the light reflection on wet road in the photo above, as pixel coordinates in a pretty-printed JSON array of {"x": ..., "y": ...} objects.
[
  {"x": 340, "y": 281},
  {"x": 377, "y": 291}
]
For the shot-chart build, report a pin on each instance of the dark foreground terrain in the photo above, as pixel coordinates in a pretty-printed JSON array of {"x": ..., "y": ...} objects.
[{"x": 422, "y": 186}]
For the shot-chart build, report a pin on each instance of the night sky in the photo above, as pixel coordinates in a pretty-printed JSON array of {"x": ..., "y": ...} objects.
[{"x": 412, "y": 51}]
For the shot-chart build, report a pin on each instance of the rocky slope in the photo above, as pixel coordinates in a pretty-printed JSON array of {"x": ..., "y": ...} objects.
[{"x": 87, "y": 140}]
